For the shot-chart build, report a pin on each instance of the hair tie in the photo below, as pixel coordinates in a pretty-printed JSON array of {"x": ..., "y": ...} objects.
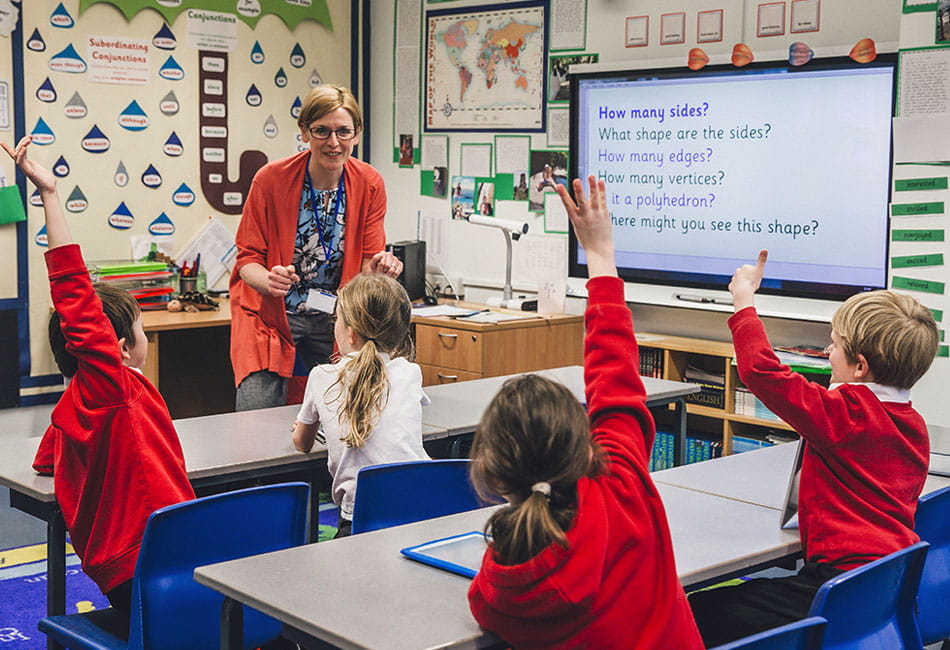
[
  {"x": 543, "y": 487},
  {"x": 371, "y": 338}
]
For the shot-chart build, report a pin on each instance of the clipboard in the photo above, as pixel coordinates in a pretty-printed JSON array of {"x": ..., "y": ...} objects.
[
  {"x": 790, "y": 509},
  {"x": 459, "y": 554}
]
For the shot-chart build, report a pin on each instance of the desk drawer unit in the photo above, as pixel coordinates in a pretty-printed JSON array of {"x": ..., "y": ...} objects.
[
  {"x": 434, "y": 375},
  {"x": 451, "y": 348}
]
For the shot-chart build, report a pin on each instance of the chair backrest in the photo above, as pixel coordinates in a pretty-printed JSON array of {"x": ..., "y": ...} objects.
[
  {"x": 401, "y": 493},
  {"x": 873, "y": 605},
  {"x": 170, "y": 609},
  {"x": 933, "y": 597},
  {"x": 800, "y": 635}
]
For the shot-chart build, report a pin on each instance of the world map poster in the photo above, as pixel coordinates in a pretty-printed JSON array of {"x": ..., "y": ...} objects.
[{"x": 486, "y": 68}]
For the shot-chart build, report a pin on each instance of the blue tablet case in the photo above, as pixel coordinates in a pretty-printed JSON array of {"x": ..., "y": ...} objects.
[{"x": 461, "y": 554}]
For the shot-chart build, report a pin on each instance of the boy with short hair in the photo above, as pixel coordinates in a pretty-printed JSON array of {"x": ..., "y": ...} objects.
[
  {"x": 866, "y": 449},
  {"x": 113, "y": 452}
]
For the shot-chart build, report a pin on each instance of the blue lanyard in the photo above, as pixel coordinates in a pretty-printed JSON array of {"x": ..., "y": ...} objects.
[{"x": 328, "y": 245}]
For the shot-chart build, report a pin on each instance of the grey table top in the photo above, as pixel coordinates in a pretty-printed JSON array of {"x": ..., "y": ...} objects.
[
  {"x": 213, "y": 445},
  {"x": 459, "y": 407},
  {"x": 760, "y": 476},
  {"x": 359, "y": 592}
]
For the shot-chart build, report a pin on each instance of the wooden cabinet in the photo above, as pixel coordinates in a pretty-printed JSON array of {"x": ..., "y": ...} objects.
[
  {"x": 450, "y": 350},
  {"x": 675, "y": 357}
]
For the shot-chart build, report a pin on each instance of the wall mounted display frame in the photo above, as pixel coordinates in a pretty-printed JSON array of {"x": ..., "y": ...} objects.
[{"x": 486, "y": 68}]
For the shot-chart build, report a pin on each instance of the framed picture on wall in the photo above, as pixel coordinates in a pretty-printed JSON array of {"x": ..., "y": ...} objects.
[
  {"x": 486, "y": 68},
  {"x": 637, "y": 31},
  {"x": 559, "y": 89},
  {"x": 673, "y": 28}
]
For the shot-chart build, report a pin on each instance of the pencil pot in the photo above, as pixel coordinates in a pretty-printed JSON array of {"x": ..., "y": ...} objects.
[{"x": 189, "y": 283}]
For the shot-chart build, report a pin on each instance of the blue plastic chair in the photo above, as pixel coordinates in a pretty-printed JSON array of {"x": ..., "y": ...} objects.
[
  {"x": 873, "y": 606},
  {"x": 170, "y": 609},
  {"x": 933, "y": 597},
  {"x": 800, "y": 635},
  {"x": 401, "y": 493}
]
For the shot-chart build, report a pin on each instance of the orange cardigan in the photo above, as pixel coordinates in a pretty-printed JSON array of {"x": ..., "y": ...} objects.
[{"x": 260, "y": 334}]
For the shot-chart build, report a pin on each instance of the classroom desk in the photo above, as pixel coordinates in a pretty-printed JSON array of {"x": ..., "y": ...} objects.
[
  {"x": 189, "y": 359},
  {"x": 458, "y": 407},
  {"x": 375, "y": 598},
  {"x": 759, "y": 477},
  {"x": 220, "y": 450}
]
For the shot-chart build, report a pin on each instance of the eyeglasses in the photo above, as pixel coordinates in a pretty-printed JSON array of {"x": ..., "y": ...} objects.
[{"x": 323, "y": 133}]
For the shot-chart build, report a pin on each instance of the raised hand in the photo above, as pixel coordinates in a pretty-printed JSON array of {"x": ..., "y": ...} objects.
[
  {"x": 43, "y": 178},
  {"x": 746, "y": 281},
  {"x": 591, "y": 220}
]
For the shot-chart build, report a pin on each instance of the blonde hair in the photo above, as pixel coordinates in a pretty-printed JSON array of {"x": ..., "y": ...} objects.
[
  {"x": 378, "y": 309},
  {"x": 325, "y": 99},
  {"x": 896, "y": 334},
  {"x": 534, "y": 431}
]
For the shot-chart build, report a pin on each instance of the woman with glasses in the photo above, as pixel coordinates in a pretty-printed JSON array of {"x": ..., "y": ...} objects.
[{"x": 310, "y": 223}]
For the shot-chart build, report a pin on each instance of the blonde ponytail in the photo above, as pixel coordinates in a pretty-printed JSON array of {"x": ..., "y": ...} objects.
[{"x": 378, "y": 309}]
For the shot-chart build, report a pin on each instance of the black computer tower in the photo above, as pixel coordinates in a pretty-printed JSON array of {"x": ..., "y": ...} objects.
[{"x": 412, "y": 254}]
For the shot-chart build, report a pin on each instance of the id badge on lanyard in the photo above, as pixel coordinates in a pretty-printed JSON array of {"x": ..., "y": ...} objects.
[{"x": 321, "y": 299}]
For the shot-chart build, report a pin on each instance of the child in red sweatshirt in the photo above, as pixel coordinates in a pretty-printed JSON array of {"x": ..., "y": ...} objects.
[
  {"x": 866, "y": 449},
  {"x": 581, "y": 557},
  {"x": 113, "y": 452}
]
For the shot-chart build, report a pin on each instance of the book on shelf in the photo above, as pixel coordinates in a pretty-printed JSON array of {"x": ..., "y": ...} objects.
[
  {"x": 712, "y": 387},
  {"x": 651, "y": 362}
]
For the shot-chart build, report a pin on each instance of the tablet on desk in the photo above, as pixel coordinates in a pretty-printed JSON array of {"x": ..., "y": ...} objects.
[
  {"x": 461, "y": 554},
  {"x": 790, "y": 510}
]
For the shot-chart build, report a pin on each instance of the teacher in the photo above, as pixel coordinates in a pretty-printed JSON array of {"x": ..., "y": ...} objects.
[{"x": 310, "y": 223}]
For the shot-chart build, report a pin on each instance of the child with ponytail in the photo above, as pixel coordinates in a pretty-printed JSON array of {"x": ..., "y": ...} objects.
[
  {"x": 368, "y": 403},
  {"x": 581, "y": 556}
]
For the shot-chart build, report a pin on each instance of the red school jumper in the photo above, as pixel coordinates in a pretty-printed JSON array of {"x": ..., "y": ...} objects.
[
  {"x": 112, "y": 449},
  {"x": 616, "y": 585},
  {"x": 864, "y": 463}
]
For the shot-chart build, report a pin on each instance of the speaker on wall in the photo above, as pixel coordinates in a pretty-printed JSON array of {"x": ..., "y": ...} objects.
[{"x": 412, "y": 254}]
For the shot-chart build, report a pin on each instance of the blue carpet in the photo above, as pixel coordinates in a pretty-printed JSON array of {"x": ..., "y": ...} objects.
[{"x": 23, "y": 597}]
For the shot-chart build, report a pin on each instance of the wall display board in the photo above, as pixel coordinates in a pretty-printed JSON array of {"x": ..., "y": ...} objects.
[{"x": 156, "y": 115}]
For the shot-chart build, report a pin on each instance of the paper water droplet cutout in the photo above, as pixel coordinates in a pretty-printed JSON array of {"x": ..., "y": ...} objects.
[
  {"x": 61, "y": 17},
  {"x": 151, "y": 177},
  {"x": 314, "y": 80},
  {"x": 295, "y": 108},
  {"x": 133, "y": 117},
  {"x": 96, "y": 141},
  {"x": 741, "y": 55},
  {"x": 61, "y": 168},
  {"x": 171, "y": 70},
  {"x": 280, "y": 79},
  {"x": 67, "y": 60},
  {"x": 173, "y": 146},
  {"x": 799, "y": 54},
  {"x": 76, "y": 202},
  {"x": 864, "y": 51},
  {"x": 40, "y": 238},
  {"x": 257, "y": 53},
  {"x": 270, "y": 127},
  {"x": 697, "y": 59},
  {"x": 42, "y": 134},
  {"x": 121, "y": 218},
  {"x": 75, "y": 108},
  {"x": 161, "y": 226},
  {"x": 169, "y": 104},
  {"x": 183, "y": 196},
  {"x": 164, "y": 39},
  {"x": 36, "y": 200},
  {"x": 121, "y": 176},
  {"x": 253, "y": 97},
  {"x": 297, "y": 57},
  {"x": 46, "y": 92},
  {"x": 36, "y": 42}
]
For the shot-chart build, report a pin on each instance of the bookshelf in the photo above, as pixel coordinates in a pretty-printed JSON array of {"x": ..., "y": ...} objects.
[{"x": 715, "y": 414}]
